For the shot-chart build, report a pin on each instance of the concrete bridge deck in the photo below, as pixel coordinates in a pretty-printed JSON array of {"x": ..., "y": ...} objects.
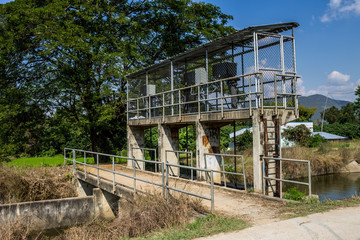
[{"x": 231, "y": 202}]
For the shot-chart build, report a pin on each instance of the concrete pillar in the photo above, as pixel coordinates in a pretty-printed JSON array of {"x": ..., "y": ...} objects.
[
  {"x": 258, "y": 150},
  {"x": 136, "y": 139},
  {"x": 169, "y": 140},
  {"x": 208, "y": 141},
  {"x": 105, "y": 204}
]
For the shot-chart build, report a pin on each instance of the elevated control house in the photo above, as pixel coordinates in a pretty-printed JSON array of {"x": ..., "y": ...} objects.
[{"x": 249, "y": 75}]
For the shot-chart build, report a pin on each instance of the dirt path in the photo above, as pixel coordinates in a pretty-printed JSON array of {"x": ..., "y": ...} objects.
[{"x": 234, "y": 203}]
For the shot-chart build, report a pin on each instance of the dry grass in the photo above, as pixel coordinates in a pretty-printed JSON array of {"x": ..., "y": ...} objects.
[
  {"x": 17, "y": 231},
  {"x": 34, "y": 184},
  {"x": 329, "y": 157},
  {"x": 147, "y": 213}
]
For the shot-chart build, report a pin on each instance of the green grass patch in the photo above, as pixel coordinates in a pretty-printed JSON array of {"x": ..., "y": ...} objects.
[
  {"x": 207, "y": 226},
  {"x": 37, "y": 161},
  {"x": 57, "y": 160},
  {"x": 299, "y": 209}
]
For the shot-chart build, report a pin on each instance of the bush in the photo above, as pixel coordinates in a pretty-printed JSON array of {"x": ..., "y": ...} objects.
[
  {"x": 294, "y": 194},
  {"x": 302, "y": 135}
]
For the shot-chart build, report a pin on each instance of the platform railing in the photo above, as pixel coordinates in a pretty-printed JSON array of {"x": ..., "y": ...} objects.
[
  {"x": 163, "y": 165},
  {"x": 213, "y": 96},
  {"x": 199, "y": 98},
  {"x": 280, "y": 179}
]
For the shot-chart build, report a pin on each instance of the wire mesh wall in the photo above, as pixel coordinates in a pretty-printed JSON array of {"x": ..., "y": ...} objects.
[{"x": 241, "y": 75}]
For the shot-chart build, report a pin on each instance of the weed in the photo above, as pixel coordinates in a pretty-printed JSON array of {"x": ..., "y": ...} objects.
[{"x": 294, "y": 194}]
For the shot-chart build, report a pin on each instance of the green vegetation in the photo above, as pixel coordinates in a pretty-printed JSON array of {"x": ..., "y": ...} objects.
[
  {"x": 37, "y": 161},
  {"x": 302, "y": 135},
  {"x": 299, "y": 209},
  {"x": 63, "y": 66},
  {"x": 294, "y": 194},
  {"x": 201, "y": 227}
]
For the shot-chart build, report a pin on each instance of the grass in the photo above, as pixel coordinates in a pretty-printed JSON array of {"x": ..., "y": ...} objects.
[
  {"x": 299, "y": 209},
  {"x": 37, "y": 161},
  {"x": 201, "y": 227},
  {"x": 56, "y": 160},
  {"x": 22, "y": 184}
]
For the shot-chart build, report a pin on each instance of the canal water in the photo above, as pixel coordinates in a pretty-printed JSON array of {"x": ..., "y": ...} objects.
[{"x": 332, "y": 186}]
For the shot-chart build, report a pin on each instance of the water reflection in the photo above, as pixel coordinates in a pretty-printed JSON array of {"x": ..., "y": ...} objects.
[{"x": 332, "y": 186}]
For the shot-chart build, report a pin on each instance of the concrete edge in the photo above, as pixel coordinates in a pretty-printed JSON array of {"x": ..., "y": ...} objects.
[{"x": 45, "y": 201}]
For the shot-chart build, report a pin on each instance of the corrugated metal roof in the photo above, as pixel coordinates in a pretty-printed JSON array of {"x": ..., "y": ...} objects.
[
  {"x": 240, "y": 37},
  {"x": 329, "y": 136}
]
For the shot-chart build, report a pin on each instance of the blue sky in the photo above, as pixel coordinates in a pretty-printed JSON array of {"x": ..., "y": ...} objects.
[{"x": 327, "y": 41}]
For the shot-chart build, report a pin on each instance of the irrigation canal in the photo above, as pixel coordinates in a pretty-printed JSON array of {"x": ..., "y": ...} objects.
[{"x": 333, "y": 186}]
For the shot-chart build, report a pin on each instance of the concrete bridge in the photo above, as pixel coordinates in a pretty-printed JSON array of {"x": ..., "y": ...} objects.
[{"x": 117, "y": 182}]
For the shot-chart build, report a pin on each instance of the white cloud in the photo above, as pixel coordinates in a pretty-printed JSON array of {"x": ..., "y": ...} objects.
[
  {"x": 334, "y": 3},
  {"x": 338, "y": 86},
  {"x": 300, "y": 87},
  {"x": 337, "y": 78},
  {"x": 338, "y": 9}
]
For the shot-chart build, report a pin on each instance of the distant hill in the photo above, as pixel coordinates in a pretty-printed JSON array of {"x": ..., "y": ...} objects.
[{"x": 318, "y": 101}]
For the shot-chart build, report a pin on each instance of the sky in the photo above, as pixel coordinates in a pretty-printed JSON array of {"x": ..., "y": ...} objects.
[{"x": 327, "y": 41}]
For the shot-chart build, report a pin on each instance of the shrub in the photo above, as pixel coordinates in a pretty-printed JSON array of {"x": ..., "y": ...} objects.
[
  {"x": 294, "y": 194},
  {"x": 302, "y": 135}
]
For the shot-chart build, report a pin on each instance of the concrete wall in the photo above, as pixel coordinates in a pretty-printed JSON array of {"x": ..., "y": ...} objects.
[
  {"x": 136, "y": 139},
  {"x": 208, "y": 141},
  {"x": 39, "y": 215},
  {"x": 169, "y": 140},
  {"x": 50, "y": 213}
]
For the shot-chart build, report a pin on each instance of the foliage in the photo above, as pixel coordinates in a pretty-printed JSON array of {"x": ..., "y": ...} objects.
[
  {"x": 349, "y": 130},
  {"x": 357, "y": 103},
  {"x": 62, "y": 65},
  {"x": 305, "y": 113},
  {"x": 346, "y": 114},
  {"x": 302, "y": 135},
  {"x": 298, "y": 209},
  {"x": 294, "y": 194}
]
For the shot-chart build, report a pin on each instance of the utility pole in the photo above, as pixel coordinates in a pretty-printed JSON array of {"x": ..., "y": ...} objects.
[{"x": 322, "y": 122}]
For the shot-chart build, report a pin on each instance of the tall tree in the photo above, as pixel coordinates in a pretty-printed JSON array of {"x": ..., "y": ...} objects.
[{"x": 73, "y": 55}]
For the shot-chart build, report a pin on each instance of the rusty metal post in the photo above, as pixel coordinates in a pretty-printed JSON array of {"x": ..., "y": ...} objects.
[{"x": 277, "y": 155}]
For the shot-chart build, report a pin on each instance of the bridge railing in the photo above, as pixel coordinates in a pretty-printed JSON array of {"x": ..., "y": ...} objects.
[
  {"x": 143, "y": 151},
  {"x": 280, "y": 179},
  {"x": 163, "y": 165},
  {"x": 224, "y": 172},
  {"x": 178, "y": 159}
]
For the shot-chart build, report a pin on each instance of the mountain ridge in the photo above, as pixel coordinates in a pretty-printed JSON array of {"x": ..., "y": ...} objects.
[{"x": 318, "y": 100}]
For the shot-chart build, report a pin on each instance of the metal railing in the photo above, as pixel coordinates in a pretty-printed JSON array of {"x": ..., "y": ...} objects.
[
  {"x": 211, "y": 198},
  {"x": 280, "y": 179},
  {"x": 252, "y": 97},
  {"x": 164, "y": 172},
  {"x": 197, "y": 99},
  {"x": 178, "y": 160},
  {"x": 143, "y": 153},
  {"x": 223, "y": 172}
]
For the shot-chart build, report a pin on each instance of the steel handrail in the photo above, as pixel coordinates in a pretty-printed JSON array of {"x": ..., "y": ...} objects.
[
  {"x": 165, "y": 185},
  {"x": 286, "y": 180}
]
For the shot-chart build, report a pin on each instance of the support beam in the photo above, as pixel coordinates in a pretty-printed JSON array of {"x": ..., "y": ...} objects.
[
  {"x": 136, "y": 139},
  {"x": 169, "y": 140},
  {"x": 258, "y": 150},
  {"x": 208, "y": 141}
]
